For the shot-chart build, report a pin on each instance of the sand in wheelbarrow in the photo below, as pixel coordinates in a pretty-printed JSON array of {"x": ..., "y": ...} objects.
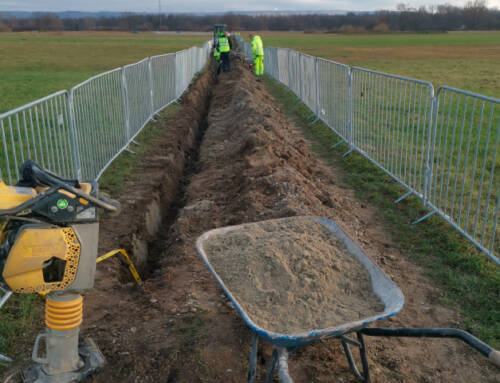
[{"x": 292, "y": 276}]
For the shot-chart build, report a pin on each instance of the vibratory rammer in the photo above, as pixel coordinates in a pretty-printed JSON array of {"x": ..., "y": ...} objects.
[{"x": 48, "y": 245}]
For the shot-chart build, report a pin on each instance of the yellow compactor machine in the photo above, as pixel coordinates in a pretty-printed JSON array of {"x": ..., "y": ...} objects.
[{"x": 48, "y": 244}]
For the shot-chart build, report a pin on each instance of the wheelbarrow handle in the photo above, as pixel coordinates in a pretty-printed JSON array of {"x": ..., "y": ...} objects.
[{"x": 492, "y": 354}]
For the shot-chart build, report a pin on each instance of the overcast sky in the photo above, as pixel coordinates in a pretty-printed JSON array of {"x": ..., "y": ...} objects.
[{"x": 212, "y": 5}]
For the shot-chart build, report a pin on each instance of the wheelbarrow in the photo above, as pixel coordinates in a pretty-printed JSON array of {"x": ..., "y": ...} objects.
[{"x": 387, "y": 291}]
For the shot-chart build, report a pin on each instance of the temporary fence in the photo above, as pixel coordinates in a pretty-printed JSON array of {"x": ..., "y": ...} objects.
[
  {"x": 441, "y": 146},
  {"x": 79, "y": 133}
]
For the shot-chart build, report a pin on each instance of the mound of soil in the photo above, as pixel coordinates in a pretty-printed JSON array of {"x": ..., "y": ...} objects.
[{"x": 292, "y": 275}]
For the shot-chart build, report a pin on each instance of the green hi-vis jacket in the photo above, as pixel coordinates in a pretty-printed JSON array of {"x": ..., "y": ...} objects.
[
  {"x": 257, "y": 46},
  {"x": 224, "y": 45}
]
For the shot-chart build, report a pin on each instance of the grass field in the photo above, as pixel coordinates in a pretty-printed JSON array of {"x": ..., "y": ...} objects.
[
  {"x": 33, "y": 65},
  {"x": 465, "y": 60}
]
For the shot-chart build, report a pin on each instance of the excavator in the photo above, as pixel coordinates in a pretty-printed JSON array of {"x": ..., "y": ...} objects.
[{"x": 49, "y": 228}]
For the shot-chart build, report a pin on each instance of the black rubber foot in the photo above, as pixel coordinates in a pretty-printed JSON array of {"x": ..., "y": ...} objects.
[{"x": 91, "y": 356}]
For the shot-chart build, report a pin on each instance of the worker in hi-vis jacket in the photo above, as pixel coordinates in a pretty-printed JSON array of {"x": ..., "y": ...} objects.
[
  {"x": 258, "y": 54},
  {"x": 224, "y": 47}
]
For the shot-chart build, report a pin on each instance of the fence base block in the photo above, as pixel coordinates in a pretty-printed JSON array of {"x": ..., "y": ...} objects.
[
  {"x": 314, "y": 121},
  {"x": 424, "y": 217},
  {"x": 403, "y": 197},
  {"x": 348, "y": 152},
  {"x": 338, "y": 143}
]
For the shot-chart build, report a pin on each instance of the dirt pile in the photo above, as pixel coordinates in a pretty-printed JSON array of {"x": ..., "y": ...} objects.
[
  {"x": 253, "y": 165},
  {"x": 292, "y": 276}
]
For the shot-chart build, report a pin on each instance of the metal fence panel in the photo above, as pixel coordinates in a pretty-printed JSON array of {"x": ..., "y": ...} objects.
[
  {"x": 308, "y": 80},
  {"x": 39, "y": 131},
  {"x": 163, "y": 80},
  {"x": 271, "y": 66},
  {"x": 390, "y": 117},
  {"x": 283, "y": 75},
  {"x": 101, "y": 121},
  {"x": 465, "y": 165},
  {"x": 294, "y": 73},
  {"x": 139, "y": 102},
  {"x": 333, "y": 96}
]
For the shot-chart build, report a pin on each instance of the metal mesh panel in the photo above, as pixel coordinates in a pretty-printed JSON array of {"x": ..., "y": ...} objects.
[
  {"x": 283, "y": 75},
  {"x": 390, "y": 120},
  {"x": 308, "y": 80},
  {"x": 465, "y": 164},
  {"x": 100, "y": 116},
  {"x": 163, "y": 80},
  {"x": 138, "y": 95},
  {"x": 333, "y": 96},
  {"x": 39, "y": 131}
]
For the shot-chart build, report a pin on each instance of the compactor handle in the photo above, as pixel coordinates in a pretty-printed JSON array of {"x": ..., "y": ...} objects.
[
  {"x": 34, "y": 356},
  {"x": 492, "y": 354},
  {"x": 34, "y": 175}
]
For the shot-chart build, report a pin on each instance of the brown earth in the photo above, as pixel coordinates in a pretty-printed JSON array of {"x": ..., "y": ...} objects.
[{"x": 253, "y": 165}]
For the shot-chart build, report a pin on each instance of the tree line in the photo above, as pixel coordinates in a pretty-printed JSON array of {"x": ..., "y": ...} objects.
[{"x": 474, "y": 15}]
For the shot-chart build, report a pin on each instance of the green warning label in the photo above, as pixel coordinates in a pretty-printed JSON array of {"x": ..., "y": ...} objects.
[{"x": 62, "y": 204}]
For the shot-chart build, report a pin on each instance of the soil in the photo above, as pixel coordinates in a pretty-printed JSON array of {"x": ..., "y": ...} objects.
[
  {"x": 232, "y": 157},
  {"x": 292, "y": 275}
]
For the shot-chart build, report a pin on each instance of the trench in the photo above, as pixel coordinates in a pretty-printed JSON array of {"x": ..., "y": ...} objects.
[
  {"x": 166, "y": 234},
  {"x": 153, "y": 200}
]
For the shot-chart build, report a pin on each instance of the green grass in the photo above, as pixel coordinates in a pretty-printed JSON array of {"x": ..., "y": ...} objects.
[
  {"x": 468, "y": 281},
  {"x": 20, "y": 320},
  {"x": 126, "y": 167},
  {"x": 465, "y": 60},
  {"x": 34, "y": 65}
]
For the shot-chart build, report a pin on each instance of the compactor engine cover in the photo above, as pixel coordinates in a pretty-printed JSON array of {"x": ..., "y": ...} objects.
[{"x": 42, "y": 258}]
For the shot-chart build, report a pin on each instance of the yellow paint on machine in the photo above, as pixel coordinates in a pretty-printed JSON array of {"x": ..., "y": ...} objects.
[
  {"x": 131, "y": 266},
  {"x": 64, "y": 314},
  {"x": 23, "y": 270},
  {"x": 13, "y": 196}
]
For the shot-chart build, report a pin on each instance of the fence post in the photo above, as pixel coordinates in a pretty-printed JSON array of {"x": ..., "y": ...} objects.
[
  {"x": 74, "y": 137},
  {"x": 152, "y": 92},
  {"x": 289, "y": 71},
  {"x": 349, "y": 111},
  {"x": 317, "y": 85},
  {"x": 300, "y": 76},
  {"x": 125, "y": 104},
  {"x": 431, "y": 132}
]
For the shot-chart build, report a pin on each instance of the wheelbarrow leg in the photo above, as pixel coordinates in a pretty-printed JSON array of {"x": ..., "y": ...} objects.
[
  {"x": 272, "y": 366},
  {"x": 365, "y": 376},
  {"x": 252, "y": 374},
  {"x": 279, "y": 359}
]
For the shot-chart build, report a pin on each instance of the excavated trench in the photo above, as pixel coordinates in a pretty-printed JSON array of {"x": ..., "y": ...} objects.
[{"x": 231, "y": 157}]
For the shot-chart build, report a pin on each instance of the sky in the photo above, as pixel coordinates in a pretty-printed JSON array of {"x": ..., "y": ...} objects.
[{"x": 213, "y": 5}]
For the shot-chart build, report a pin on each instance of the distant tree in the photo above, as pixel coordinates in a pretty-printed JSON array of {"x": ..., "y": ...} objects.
[
  {"x": 381, "y": 28},
  {"x": 87, "y": 24},
  {"x": 475, "y": 14},
  {"x": 48, "y": 22}
]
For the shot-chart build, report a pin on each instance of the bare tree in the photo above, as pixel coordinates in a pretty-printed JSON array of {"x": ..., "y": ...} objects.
[{"x": 476, "y": 14}]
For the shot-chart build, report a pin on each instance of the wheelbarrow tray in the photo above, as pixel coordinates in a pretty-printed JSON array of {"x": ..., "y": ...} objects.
[{"x": 383, "y": 287}]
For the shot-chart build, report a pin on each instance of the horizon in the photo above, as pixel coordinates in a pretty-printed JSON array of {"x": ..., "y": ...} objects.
[{"x": 216, "y": 6}]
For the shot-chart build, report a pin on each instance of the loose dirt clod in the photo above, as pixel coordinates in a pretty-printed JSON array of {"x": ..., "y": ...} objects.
[{"x": 292, "y": 275}]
